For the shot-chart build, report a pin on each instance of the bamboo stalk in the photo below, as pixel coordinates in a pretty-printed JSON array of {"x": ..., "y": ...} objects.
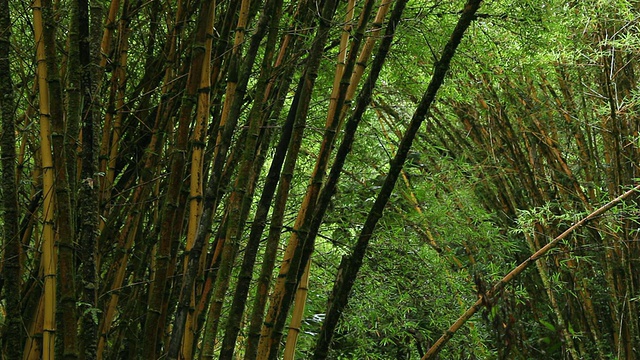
[{"x": 48, "y": 247}]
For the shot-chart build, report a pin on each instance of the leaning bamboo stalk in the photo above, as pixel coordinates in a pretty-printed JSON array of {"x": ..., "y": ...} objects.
[
  {"x": 298, "y": 313},
  {"x": 563, "y": 328},
  {"x": 105, "y": 144},
  {"x": 107, "y": 35},
  {"x": 364, "y": 99},
  {"x": 105, "y": 45},
  {"x": 356, "y": 76},
  {"x": 163, "y": 265},
  {"x": 269, "y": 337},
  {"x": 342, "y": 56},
  {"x": 48, "y": 248},
  {"x": 366, "y": 52},
  {"x": 126, "y": 241},
  {"x": 199, "y": 133},
  {"x": 270, "y": 19},
  {"x": 278, "y": 179},
  {"x": 283, "y": 167},
  {"x": 236, "y": 86},
  {"x": 292, "y": 336},
  {"x": 346, "y": 276},
  {"x": 287, "y": 278},
  {"x": 32, "y": 347},
  {"x": 232, "y": 81},
  {"x": 497, "y": 288}
]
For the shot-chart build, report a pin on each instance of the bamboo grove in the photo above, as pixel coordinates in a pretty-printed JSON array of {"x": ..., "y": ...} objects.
[{"x": 178, "y": 176}]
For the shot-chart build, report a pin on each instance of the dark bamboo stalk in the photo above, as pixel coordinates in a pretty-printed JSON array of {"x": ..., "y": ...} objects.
[
  {"x": 270, "y": 19},
  {"x": 88, "y": 197},
  {"x": 337, "y": 107},
  {"x": 271, "y": 331},
  {"x": 347, "y": 274},
  {"x": 10, "y": 281},
  {"x": 171, "y": 208}
]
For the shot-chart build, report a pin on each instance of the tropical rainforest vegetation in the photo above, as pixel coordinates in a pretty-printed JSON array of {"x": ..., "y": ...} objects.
[{"x": 321, "y": 179}]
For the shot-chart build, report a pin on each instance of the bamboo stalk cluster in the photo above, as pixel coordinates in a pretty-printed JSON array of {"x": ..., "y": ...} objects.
[
  {"x": 182, "y": 112},
  {"x": 168, "y": 164}
]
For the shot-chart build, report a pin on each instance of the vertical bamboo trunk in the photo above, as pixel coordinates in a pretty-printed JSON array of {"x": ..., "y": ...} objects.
[
  {"x": 63, "y": 218},
  {"x": 65, "y": 222},
  {"x": 48, "y": 246},
  {"x": 13, "y": 333},
  {"x": 187, "y": 295},
  {"x": 88, "y": 197},
  {"x": 65, "y": 234}
]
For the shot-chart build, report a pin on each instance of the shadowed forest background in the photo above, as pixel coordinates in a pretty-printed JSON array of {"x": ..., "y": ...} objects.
[{"x": 319, "y": 179}]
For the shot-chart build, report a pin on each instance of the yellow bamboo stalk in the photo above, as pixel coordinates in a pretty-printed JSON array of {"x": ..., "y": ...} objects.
[
  {"x": 48, "y": 241},
  {"x": 199, "y": 134},
  {"x": 356, "y": 76},
  {"x": 500, "y": 285},
  {"x": 32, "y": 348},
  {"x": 342, "y": 56},
  {"x": 232, "y": 83},
  {"x": 298, "y": 312},
  {"x": 108, "y": 31},
  {"x": 106, "y": 131},
  {"x": 309, "y": 199},
  {"x": 366, "y": 52},
  {"x": 197, "y": 166}
]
